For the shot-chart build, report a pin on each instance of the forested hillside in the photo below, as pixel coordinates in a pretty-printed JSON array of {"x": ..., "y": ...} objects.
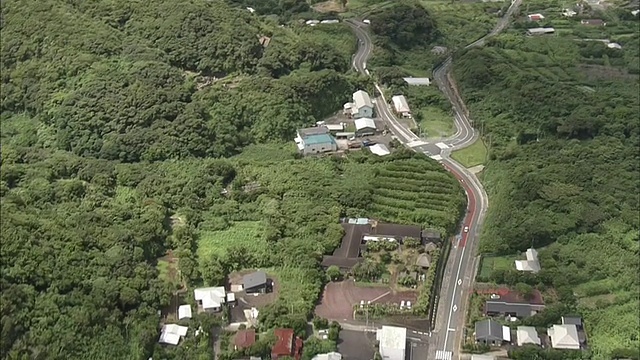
[
  {"x": 563, "y": 176},
  {"x": 108, "y": 109}
]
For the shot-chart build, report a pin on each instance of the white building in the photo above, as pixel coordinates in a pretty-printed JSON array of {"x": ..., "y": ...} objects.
[
  {"x": 417, "y": 81},
  {"x": 614, "y": 46},
  {"x": 379, "y": 149},
  {"x": 362, "y": 106},
  {"x": 564, "y": 337},
  {"x": 541, "y": 31},
  {"x": 210, "y": 299},
  {"x": 365, "y": 126},
  {"x": 401, "y": 106},
  {"x": 171, "y": 334},
  {"x": 393, "y": 342},
  {"x": 531, "y": 264},
  {"x": 184, "y": 312},
  {"x": 527, "y": 335},
  {"x": 328, "y": 356},
  {"x": 535, "y": 17}
]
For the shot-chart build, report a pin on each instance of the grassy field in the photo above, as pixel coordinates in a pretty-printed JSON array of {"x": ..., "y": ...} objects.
[
  {"x": 246, "y": 233},
  {"x": 471, "y": 156},
  {"x": 491, "y": 263},
  {"x": 436, "y": 123}
]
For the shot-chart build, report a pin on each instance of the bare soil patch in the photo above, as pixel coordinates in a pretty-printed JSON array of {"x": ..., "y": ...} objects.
[{"x": 329, "y": 6}]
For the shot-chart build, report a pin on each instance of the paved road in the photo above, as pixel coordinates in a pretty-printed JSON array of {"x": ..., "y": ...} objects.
[{"x": 461, "y": 267}]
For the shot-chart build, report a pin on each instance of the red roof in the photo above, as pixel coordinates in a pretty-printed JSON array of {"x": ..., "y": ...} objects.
[
  {"x": 245, "y": 338},
  {"x": 284, "y": 343}
]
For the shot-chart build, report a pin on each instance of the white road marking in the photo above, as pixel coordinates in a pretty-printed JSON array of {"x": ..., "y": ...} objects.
[
  {"x": 436, "y": 157},
  {"x": 443, "y": 355},
  {"x": 451, "y": 329},
  {"x": 459, "y": 281},
  {"x": 442, "y": 145},
  {"x": 416, "y": 143},
  {"x": 455, "y": 308}
]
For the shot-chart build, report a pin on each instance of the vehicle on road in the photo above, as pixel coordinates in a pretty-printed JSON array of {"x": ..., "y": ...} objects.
[{"x": 466, "y": 229}]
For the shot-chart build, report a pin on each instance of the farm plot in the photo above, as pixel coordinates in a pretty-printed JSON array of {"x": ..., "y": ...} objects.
[
  {"x": 247, "y": 234},
  {"x": 418, "y": 191}
]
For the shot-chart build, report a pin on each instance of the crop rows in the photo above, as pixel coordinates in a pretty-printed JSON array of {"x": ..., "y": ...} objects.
[
  {"x": 426, "y": 199},
  {"x": 432, "y": 176},
  {"x": 387, "y": 183}
]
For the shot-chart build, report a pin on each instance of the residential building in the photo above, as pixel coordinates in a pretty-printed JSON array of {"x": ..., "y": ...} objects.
[
  {"x": 244, "y": 339},
  {"x": 362, "y": 107},
  {"x": 564, "y": 337},
  {"x": 540, "y": 31},
  {"x": 328, "y": 356},
  {"x": 335, "y": 127},
  {"x": 184, "y": 312},
  {"x": 315, "y": 140},
  {"x": 210, "y": 299},
  {"x": 593, "y": 22},
  {"x": 491, "y": 332},
  {"x": 417, "y": 81},
  {"x": 287, "y": 344},
  {"x": 424, "y": 261},
  {"x": 572, "y": 320},
  {"x": 401, "y": 106},
  {"x": 172, "y": 333},
  {"x": 527, "y": 335},
  {"x": 255, "y": 282},
  {"x": 535, "y": 17},
  {"x": 531, "y": 264},
  {"x": 365, "y": 126},
  {"x": 431, "y": 235},
  {"x": 505, "y": 302},
  {"x": 393, "y": 342}
]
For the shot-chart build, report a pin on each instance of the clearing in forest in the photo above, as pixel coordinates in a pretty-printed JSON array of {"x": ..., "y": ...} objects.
[{"x": 245, "y": 233}]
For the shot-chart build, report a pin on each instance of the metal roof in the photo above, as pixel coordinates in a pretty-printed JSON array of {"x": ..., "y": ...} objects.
[
  {"x": 527, "y": 335},
  {"x": 184, "y": 312},
  {"x": 252, "y": 280},
  {"x": 400, "y": 103},
  {"x": 564, "y": 336},
  {"x": 320, "y": 130},
  {"x": 417, "y": 81},
  {"x": 489, "y": 330},
  {"x": 364, "y": 123},
  {"x": 361, "y": 98},
  {"x": 318, "y": 139}
]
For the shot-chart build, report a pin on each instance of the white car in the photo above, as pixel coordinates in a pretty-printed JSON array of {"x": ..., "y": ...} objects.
[{"x": 466, "y": 229}]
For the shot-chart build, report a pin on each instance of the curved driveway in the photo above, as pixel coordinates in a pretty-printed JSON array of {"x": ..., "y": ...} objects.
[{"x": 460, "y": 269}]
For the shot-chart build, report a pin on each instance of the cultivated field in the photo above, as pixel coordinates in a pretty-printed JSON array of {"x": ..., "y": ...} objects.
[{"x": 246, "y": 233}]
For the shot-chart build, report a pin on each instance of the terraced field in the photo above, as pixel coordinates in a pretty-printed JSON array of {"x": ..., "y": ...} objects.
[{"x": 417, "y": 191}]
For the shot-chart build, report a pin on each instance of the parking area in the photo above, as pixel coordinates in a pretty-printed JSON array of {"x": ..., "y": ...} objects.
[
  {"x": 357, "y": 345},
  {"x": 338, "y": 298}
]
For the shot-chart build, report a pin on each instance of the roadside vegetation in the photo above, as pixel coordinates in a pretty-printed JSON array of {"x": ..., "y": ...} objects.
[
  {"x": 561, "y": 117},
  {"x": 473, "y": 155}
]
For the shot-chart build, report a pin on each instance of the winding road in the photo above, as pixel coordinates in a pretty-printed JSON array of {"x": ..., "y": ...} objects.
[{"x": 457, "y": 283}]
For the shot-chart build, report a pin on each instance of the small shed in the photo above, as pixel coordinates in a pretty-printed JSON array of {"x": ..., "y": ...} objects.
[
  {"x": 424, "y": 261},
  {"x": 184, "y": 312}
]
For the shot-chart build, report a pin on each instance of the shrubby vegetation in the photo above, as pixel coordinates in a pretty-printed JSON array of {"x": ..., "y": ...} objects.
[{"x": 562, "y": 177}]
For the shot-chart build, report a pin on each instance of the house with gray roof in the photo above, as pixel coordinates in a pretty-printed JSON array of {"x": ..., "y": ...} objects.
[
  {"x": 491, "y": 332},
  {"x": 531, "y": 264},
  {"x": 255, "y": 282}
]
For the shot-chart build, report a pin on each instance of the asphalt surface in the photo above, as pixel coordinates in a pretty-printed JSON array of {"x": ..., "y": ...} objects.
[{"x": 446, "y": 336}]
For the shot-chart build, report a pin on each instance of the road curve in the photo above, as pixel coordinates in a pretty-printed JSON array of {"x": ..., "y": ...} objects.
[{"x": 460, "y": 269}]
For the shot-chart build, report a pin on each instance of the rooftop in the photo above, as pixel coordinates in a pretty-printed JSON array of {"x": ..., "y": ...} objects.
[
  {"x": 171, "y": 334},
  {"x": 424, "y": 260},
  {"x": 489, "y": 330},
  {"x": 211, "y": 297},
  {"x": 328, "y": 356},
  {"x": 361, "y": 98},
  {"x": 400, "y": 103},
  {"x": 364, "y": 123},
  {"x": 284, "y": 342},
  {"x": 252, "y": 280},
  {"x": 417, "y": 81},
  {"x": 392, "y": 337},
  {"x": 379, "y": 149},
  {"x": 564, "y": 337},
  {"x": 527, "y": 335},
  {"x": 541, "y": 30},
  {"x": 245, "y": 338},
  {"x": 319, "y": 130},
  {"x": 184, "y": 312},
  {"x": 318, "y": 139},
  {"x": 572, "y": 320}
]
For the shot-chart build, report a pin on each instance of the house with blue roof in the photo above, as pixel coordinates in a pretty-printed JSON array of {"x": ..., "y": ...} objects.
[{"x": 316, "y": 140}]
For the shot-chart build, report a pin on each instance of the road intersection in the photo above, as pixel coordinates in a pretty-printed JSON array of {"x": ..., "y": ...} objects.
[{"x": 461, "y": 267}]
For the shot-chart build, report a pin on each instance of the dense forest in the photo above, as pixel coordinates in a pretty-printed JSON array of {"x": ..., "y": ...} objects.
[
  {"x": 563, "y": 176},
  {"x": 130, "y": 129}
]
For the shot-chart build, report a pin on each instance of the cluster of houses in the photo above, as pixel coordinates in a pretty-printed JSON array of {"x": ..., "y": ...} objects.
[
  {"x": 565, "y": 13},
  {"x": 212, "y": 300},
  {"x": 511, "y": 306},
  {"x": 569, "y": 335}
]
